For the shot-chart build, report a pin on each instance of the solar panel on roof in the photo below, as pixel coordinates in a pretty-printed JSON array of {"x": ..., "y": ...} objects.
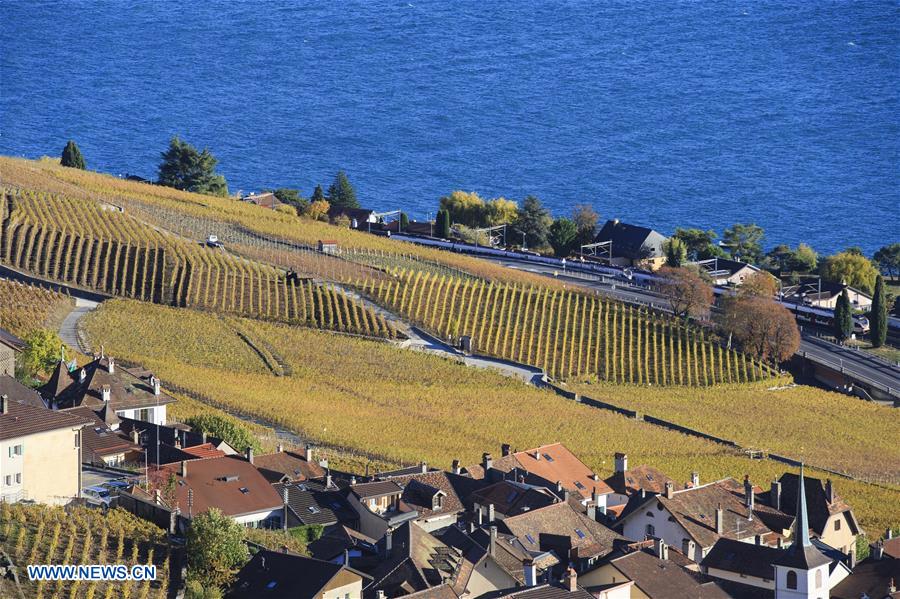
[{"x": 579, "y": 532}]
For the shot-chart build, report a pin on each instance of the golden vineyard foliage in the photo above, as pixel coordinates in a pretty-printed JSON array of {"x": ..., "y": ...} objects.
[
  {"x": 41, "y": 534},
  {"x": 567, "y": 333},
  {"x": 95, "y": 246},
  {"x": 806, "y": 423},
  {"x": 403, "y": 406},
  {"x": 195, "y": 216},
  {"x": 24, "y": 308}
]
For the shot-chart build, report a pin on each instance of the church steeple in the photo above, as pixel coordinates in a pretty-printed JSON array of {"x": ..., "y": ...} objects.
[{"x": 802, "y": 522}]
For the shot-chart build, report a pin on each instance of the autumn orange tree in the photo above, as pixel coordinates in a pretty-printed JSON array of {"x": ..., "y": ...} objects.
[
  {"x": 764, "y": 328},
  {"x": 689, "y": 295}
]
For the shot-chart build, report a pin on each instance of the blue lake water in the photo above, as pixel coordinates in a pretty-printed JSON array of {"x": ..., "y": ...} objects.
[{"x": 658, "y": 113}]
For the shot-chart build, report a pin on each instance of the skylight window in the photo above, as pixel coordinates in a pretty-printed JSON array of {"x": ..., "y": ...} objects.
[
  {"x": 580, "y": 533},
  {"x": 649, "y": 477},
  {"x": 530, "y": 539},
  {"x": 245, "y": 490},
  {"x": 579, "y": 485},
  {"x": 547, "y": 457},
  {"x": 272, "y": 584},
  {"x": 313, "y": 509}
]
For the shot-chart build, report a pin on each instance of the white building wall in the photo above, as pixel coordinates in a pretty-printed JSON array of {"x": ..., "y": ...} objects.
[{"x": 807, "y": 587}]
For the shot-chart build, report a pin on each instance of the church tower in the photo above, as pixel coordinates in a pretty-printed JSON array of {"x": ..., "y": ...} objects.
[{"x": 802, "y": 571}]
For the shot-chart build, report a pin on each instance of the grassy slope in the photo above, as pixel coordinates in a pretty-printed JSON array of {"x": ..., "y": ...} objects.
[{"x": 409, "y": 407}]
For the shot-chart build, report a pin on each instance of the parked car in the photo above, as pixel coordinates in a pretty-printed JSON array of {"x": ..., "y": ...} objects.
[
  {"x": 97, "y": 495},
  {"x": 213, "y": 241}
]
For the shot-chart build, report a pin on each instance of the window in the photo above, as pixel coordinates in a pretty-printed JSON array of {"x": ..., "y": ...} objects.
[
  {"x": 650, "y": 530},
  {"x": 18, "y": 478},
  {"x": 818, "y": 579},
  {"x": 530, "y": 538},
  {"x": 686, "y": 546},
  {"x": 579, "y": 485},
  {"x": 8, "y": 480},
  {"x": 837, "y": 524},
  {"x": 792, "y": 580}
]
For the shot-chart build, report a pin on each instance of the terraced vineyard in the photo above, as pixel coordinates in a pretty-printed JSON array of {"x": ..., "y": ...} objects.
[
  {"x": 96, "y": 246},
  {"x": 39, "y": 534},
  {"x": 569, "y": 334},
  {"x": 24, "y": 308}
]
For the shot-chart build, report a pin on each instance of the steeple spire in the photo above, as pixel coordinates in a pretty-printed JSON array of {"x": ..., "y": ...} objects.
[{"x": 802, "y": 532}]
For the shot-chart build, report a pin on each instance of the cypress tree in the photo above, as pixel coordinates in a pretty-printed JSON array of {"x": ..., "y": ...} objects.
[
  {"x": 318, "y": 195},
  {"x": 71, "y": 156},
  {"x": 878, "y": 315},
  {"x": 442, "y": 224},
  {"x": 843, "y": 317}
]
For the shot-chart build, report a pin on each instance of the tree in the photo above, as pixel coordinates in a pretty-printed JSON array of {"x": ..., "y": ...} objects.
[
  {"x": 585, "y": 219},
  {"x": 318, "y": 210},
  {"x": 676, "y": 252},
  {"x": 470, "y": 235},
  {"x": 215, "y": 548},
  {"x": 228, "y": 429},
  {"x": 744, "y": 242},
  {"x": 888, "y": 259},
  {"x": 850, "y": 269},
  {"x": 562, "y": 237},
  {"x": 42, "y": 351},
  {"x": 688, "y": 294},
  {"x": 404, "y": 222},
  {"x": 700, "y": 245},
  {"x": 71, "y": 156},
  {"x": 878, "y": 316},
  {"x": 804, "y": 259},
  {"x": 500, "y": 211},
  {"x": 465, "y": 208},
  {"x": 185, "y": 168},
  {"x": 341, "y": 194},
  {"x": 843, "y": 317},
  {"x": 442, "y": 224},
  {"x": 759, "y": 284},
  {"x": 194, "y": 589},
  {"x": 534, "y": 222},
  {"x": 318, "y": 195},
  {"x": 764, "y": 328}
]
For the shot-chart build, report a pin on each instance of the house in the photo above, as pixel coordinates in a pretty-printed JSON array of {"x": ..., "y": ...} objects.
[
  {"x": 655, "y": 573},
  {"x": 287, "y": 466},
  {"x": 572, "y": 536},
  {"x": 285, "y": 575},
  {"x": 230, "y": 483},
  {"x": 510, "y": 554},
  {"x": 509, "y": 498},
  {"x": 360, "y": 218},
  {"x": 265, "y": 200},
  {"x": 482, "y": 570},
  {"x": 824, "y": 294},
  {"x": 693, "y": 519},
  {"x": 724, "y": 272},
  {"x": 567, "y": 587},
  {"x": 830, "y": 518},
  {"x": 436, "y": 495},
  {"x": 877, "y": 576},
  {"x": 314, "y": 502},
  {"x": 626, "y": 482},
  {"x": 103, "y": 444},
  {"x": 327, "y": 246},
  {"x": 337, "y": 539},
  {"x": 551, "y": 466},
  {"x": 10, "y": 345},
  {"x": 101, "y": 382},
  {"x": 40, "y": 450},
  {"x": 632, "y": 245},
  {"x": 379, "y": 507}
]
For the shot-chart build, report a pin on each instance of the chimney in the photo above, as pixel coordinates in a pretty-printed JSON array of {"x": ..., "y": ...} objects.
[
  {"x": 379, "y": 594},
  {"x": 110, "y": 365},
  {"x": 183, "y": 468},
  {"x": 695, "y": 479},
  {"x": 780, "y": 542},
  {"x": 157, "y": 497},
  {"x": 892, "y": 588},
  {"x": 203, "y": 436},
  {"x": 537, "y": 455},
  {"x": 670, "y": 490},
  {"x": 621, "y": 462},
  {"x": 106, "y": 393},
  {"x": 135, "y": 436},
  {"x": 309, "y": 452},
  {"x": 328, "y": 482},
  {"x": 661, "y": 549},
  {"x": 279, "y": 448},
  {"x": 155, "y": 382},
  {"x": 829, "y": 491},
  {"x": 720, "y": 517},
  {"x": 758, "y": 540},
  {"x": 492, "y": 545},
  {"x": 388, "y": 543},
  {"x": 592, "y": 510},
  {"x": 505, "y": 449},
  {"x": 570, "y": 580},
  {"x": 82, "y": 375},
  {"x": 530, "y": 572},
  {"x": 4, "y": 404},
  {"x": 889, "y": 534},
  {"x": 490, "y": 513},
  {"x": 346, "y": 561},
  {"x": 424, "y": 468},
  {"x": 595, "y": 477},
  {"x": 877, "y": 550},
  {"x": 479, "y": 514},
  {"x": 352, "y": 480},
  {"x": 248, "y": 453},
  {"x": 775, "y": 495},
  {"x": 455, "y": 467},
  {"x": 748, "y": 492},
  {"x": 487, "y": 462}
]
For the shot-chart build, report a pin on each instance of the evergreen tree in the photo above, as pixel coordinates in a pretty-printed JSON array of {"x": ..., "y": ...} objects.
[
  {"x": 843, "y": 317},
  {"x": 533, "y": 222},
  {"x": 341, "y": 194},
  {"x": 318, "y": 195},
  {"x": 404, "y": 222},
  {"x": 184, "y": 167},
  {"x": 676, "y": 252},
  {"x": 442, "y": 224},
  {"x": 878, "y": 316},
  {"x": 71, "y": 156},
  {"x": 562, "y": 237}
]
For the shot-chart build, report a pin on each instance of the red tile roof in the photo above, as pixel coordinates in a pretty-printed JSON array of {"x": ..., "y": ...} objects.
[{"x": 205, "y": 450}]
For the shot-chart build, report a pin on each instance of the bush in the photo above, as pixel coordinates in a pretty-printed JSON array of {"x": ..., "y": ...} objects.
[{"x": 228, "y": 429}]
